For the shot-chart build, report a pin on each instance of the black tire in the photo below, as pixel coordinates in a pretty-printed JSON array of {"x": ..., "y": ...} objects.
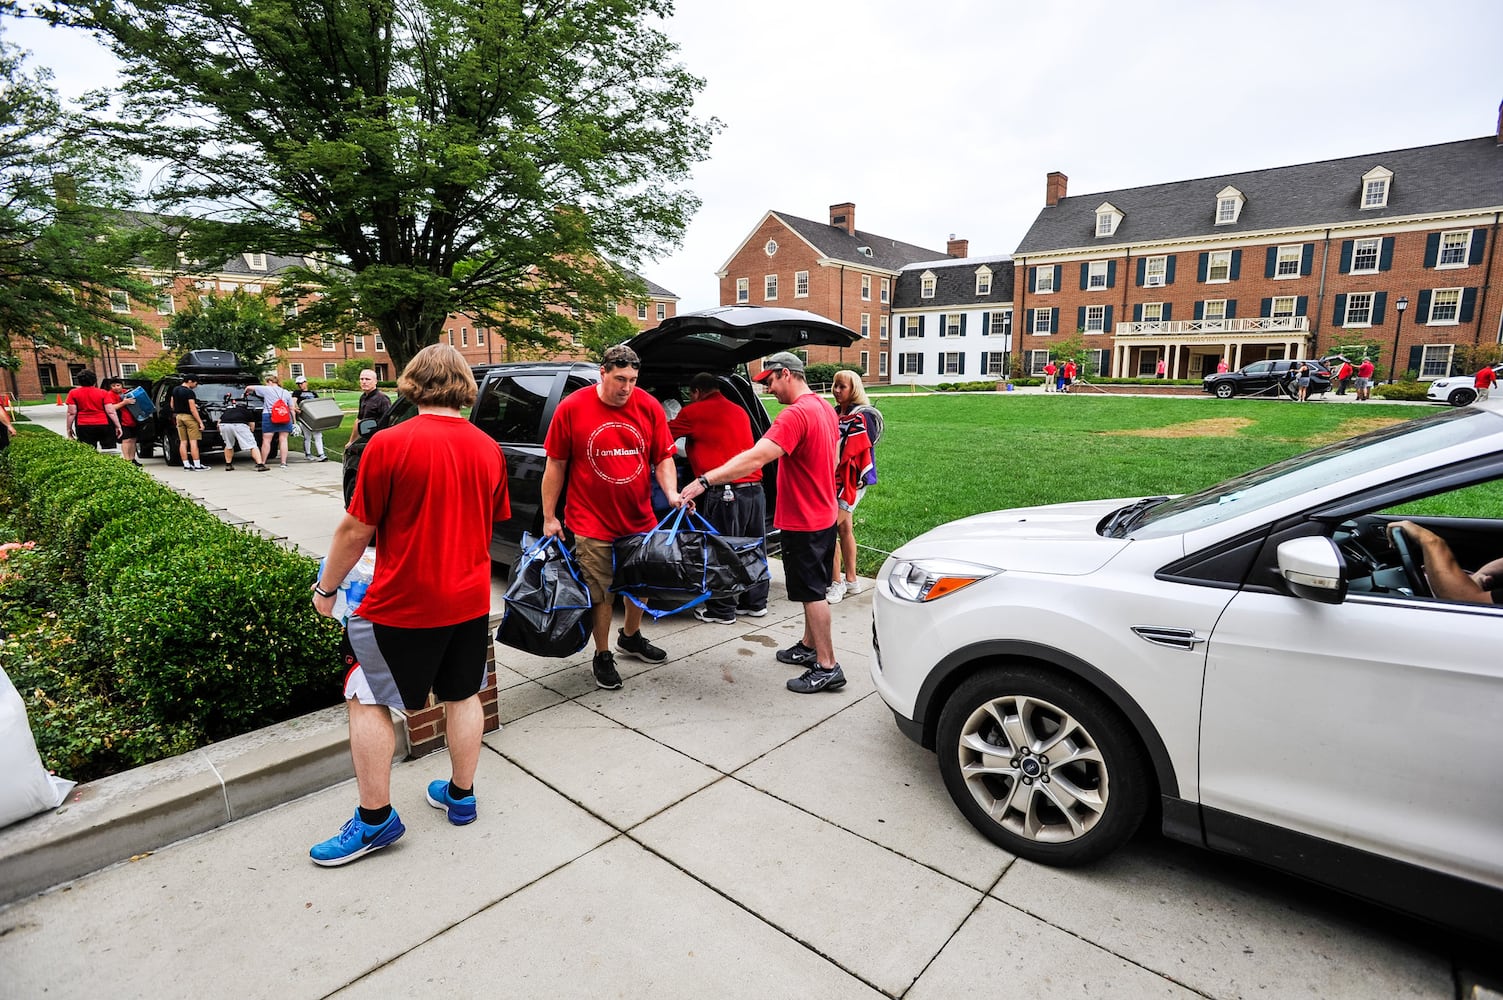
[
  {"x": 1225, "y": 390},
  {"x": 146, "y": 447},
  {"x": 986, "y": 775},
  {"x": 169, "y": 449},
  {"x": 1461, "y": 397}
]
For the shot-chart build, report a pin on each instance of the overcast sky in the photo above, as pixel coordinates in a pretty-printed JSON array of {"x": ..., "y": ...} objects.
[{"x": 943, "y": 116}]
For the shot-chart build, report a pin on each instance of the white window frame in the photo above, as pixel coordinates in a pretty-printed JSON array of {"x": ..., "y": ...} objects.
[
  {"x": 949, "y": 362},
  {"x": 1445, "y": 313},
  {"x": 886, "y": 292},
  {"x": 927, "y": 284},
  {"x": 1043, "y": 279},
  {"x": 662, "y": 313},
  {"x": 1365, "y": 247},
  {"x": 983, "y": 281},
  {"x": 913, "y": 358},
  {"x": 479, "y": 336},
  {"x": 1042, "y": 322},
  {"x": 166, "y": 305},
  {"x": 866, "y": 288},
  {"x": 1155, "y": 272},
  {"x": 359, "y": 344},
  {"x": 642, "y": 310},
  {"x": 866, "y": 360},
  {"x": 1095, "y": 319},
  {"x": 801, "y": 284},
  {"x": 1105, "y": 223},
  {"x": 169, "y": 342},
  {"x": 464, "y": 336},
  {"x": 1001, "y": 323},
  {"x": 1278, "y": 309},
  {"x": 1375, "y": 187},
  {"x": 882, "y": 327},
  {"x": 1219, "y": 260},
  {"x": 1435, "y": 360},
  {"x": 331, "y": 370},
  {"x": 994, "y": 364},
  {"x": 1218, "y": 306},
  {"x": 770, "y": 288},
  {"x": 380, "y": 345},
  {"x": 1096, "y": 274},
  {"x": 289, "y": 309},
  {"x": 129, "y": 368},
  {"x": 256, "y": 261},
  {"x": 295, "y": 369},
  {"x": 866, "y": 326},
  {"x": 1359, "y": 309},
  {"x": 1226, "y": 211},
  {"x": 952, "y": 325},
  {"x": 1153, "y": 312},
  {"x": 1036, "y": 362},
  {"x": 882, "y": 364},
  {"x": 1456, "y": 243},
  {"x": 326, "y": 342},
  {"x": 1286, "y": 263},
  {"x": 119, "y": 300},
  {"x": 743, "y": 291},
  {"x": 126, "y": 338}
]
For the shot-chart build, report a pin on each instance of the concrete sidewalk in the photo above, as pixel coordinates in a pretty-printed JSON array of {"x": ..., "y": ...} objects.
[{"x": 701, "y": 832}]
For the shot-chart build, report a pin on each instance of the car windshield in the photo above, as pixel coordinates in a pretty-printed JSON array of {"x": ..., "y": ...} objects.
[
  {"x": 1294, "y": 476},
  {"x": 214, "y": 392}
]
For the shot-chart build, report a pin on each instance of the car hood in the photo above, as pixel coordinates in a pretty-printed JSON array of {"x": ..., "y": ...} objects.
[
  {"x": 726, "y": 336},
  {"x": 1057, "y": 538}
]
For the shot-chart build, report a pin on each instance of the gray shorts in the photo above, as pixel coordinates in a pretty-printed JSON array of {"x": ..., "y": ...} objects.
[{"x": 237, "y": 436}]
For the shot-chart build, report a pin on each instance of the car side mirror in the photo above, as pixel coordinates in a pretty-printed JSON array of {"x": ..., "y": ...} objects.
[
  {"x": 1314, "y": 569},
  {"x": 366, "y": 427}
]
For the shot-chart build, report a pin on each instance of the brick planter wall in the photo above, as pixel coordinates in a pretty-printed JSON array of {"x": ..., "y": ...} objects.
[{"x": 426, "y": 732}]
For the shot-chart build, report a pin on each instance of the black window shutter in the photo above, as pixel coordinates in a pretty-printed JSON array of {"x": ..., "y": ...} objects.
[
  {"x": 1422, "y": 308},
  {"x": 984, "y": 367},
  {"x": 1265, "y": 308},
  {"x": 962, "y": 324},
  {"x": 1059, "y": 275},
  {"x": 1054, "y": 320},
  {"x": 1106, "y": 322},
  {"x": 1033, "y": 279},
  {"x": 1203, "y": 267},
  {"x": 1432, "y": 249},
  {"x": 1236, "y": 264},
  {"x": 1338, "y": 316},
  {"x": 1273, "y": 262},
  {"x": 1380, "y": 299},
  {"x": 1085, "y": 276},
  {"x": 1416, "y": 358},
  {"x": 1468, "y": 304},
  {"x": 1168, "y": 308},
  {"x": 1302, "y": 305},
  {"x": 1307, "y": 260},
  {"x": 1169, "y": 270},
  {"x": 1137, "y": 313},
  {"x": 986, "y": 323},
  {"x": 962, "y": 365},
  {"x": 1385, "y": 256},
  {"x": 1475, "y": 256},
  {"x": 942, "y": 327},
  {"x": 902, "y": 328},
  {"x": 1200, "y": 309},
  {"x": 1346, "y": 256},
  {"x": 1080, "y": 318},
  {"x": 921, "y": 364},
  {"x": 1231, "y": 308},
  {"x": 1111, "y": 274},
  {"x": 921, "y": 333},
  {"x": 1142, "y": 270}
]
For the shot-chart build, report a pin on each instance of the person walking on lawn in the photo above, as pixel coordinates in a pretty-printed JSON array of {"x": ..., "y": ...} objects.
[
  {"x": 715, "y": 429},
  {"x": 605, "y": 442},
  {"x": 428, "y": 492},
  {"x": 802, "y": 439}
]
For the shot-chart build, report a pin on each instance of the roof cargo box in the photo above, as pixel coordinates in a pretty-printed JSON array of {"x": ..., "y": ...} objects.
[
  {"x": 319, "y": 414},
  {"x": 205, "y": 361}
]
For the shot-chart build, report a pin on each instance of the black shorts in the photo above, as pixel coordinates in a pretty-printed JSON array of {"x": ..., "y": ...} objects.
[
  {"x": 102, "y": 435},
  {"x": 129, "y": 432},
  {"x": 397, "y": 667},
  {"x": 808, "y": 563}
]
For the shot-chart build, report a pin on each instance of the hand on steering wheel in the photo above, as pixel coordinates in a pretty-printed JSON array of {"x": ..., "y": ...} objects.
[{"x": 1408, "y": 553}]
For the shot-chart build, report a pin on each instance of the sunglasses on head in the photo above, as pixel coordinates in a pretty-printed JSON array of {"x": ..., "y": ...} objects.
[{"x": 624, "y": 364}]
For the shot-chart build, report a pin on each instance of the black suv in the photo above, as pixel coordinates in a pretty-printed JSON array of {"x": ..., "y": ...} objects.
[
  {"x": 219, "y": 374},
  {"x": 516, "y": 400},
  {"x": 1267, "y": 378}
]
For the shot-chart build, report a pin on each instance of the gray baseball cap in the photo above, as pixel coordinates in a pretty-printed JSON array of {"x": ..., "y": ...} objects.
[{"x": 782, "y": 361}]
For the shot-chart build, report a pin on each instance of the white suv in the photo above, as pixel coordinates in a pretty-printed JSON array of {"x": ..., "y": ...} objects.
[{"x": 1255, "y": 666}]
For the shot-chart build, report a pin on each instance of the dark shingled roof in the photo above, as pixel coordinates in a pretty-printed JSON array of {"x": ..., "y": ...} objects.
[
  {"x": 837, "y": 244},
  {"x": 954, "y": 283},
  {"x": 1450, "y": 177},
  {"x": 653, "y": 288}
]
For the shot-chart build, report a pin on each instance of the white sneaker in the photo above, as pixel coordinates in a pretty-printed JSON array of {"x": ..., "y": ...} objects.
[
  {"x": 853, "y": 587},
  {"x": 835, "y": 592}
]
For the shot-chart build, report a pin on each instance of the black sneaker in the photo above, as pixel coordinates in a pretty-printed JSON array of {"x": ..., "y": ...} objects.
[
  {"x": 638, "y": 646},
  {"x": 797, "y": 654},
  {"x": 605, "y": 671},
  {"x": 817, "y": 678}
]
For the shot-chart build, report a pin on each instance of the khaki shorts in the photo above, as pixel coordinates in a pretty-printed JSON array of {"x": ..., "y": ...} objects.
[
  {"x": 188, "y": 429},
  {"x": 597, "y": 566}
]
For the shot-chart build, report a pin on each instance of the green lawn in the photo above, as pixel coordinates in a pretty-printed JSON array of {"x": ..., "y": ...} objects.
[{"x": 948, "y": 456}]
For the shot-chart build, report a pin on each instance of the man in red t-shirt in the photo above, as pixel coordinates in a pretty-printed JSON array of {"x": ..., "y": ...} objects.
[
  {"x": 605, "y": 442},
  {"x": 1067, "y": 376},
  {"x": 803, "y": 440},
  {"x": 428, "y": 492},
  {"x": 716, "y": 430},
  {"x": 1486, "y": 378},
  {"x": 1365, "y": 379},
  {"x": 88, "y": 421}
]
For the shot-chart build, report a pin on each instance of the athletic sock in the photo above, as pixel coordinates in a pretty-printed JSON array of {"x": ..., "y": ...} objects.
[
  {"x": 375, "y": 817},
  {"x": 457, "y": 793}
]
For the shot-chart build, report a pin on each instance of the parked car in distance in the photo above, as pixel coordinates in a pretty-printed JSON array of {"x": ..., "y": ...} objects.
[
  {"x": 516, "y": 400},
  {"x": 219, "y": 374},
  {"x": 1255, "y": 666},
  {"x": 1270, "y": 378},
  {"x": 1458, "y": 390}
]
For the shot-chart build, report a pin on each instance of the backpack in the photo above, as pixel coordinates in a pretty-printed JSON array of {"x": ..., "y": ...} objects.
[{"x": 281, "y": 413}]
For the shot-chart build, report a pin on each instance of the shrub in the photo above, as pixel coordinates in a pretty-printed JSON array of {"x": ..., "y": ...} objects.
[
  {"x": 141, "y": 626},
  {"x": 822, "y": 373},
  {"x": 349, "y": 371},
  {"x": 1407, "y": 390}
]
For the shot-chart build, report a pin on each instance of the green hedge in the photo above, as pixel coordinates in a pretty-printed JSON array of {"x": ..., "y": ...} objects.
[
  {"x": 141, "y": 626},
  {"x": 1402, "y": 390}
]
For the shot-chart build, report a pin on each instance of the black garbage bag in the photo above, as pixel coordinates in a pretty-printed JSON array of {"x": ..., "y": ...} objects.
[
  {"x": 662, "y": 571},
  {"x": 547, "y": 605},
  {"x": 733, "y": 563}
]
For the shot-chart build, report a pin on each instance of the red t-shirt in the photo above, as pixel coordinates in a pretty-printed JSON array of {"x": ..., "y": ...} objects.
[
  {"x": 1486, "y": 378},
  {"x": 1365, "y": 369},
  {"x": 611, "y": 452},
  {"x": 808, "y": 432},
  {"x": 433, "y": 486},
  {"x": 717, "y": 430},
  {"x": 127, "y": 419},
  {"x": 90, "y": 400}
]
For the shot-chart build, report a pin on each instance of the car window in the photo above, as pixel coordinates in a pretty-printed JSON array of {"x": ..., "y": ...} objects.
[
  {"x": 510, "y": 407},
  {"x": 1257, "y": 368},
  {"x": 1295, "y": 476}
]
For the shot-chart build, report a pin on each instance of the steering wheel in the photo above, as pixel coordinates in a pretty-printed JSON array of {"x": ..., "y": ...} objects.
[{"x": 1409, "y": 559}]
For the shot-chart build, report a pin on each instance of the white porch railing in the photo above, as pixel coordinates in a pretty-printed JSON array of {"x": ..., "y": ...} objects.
[{"x": 1217, "y": 328}]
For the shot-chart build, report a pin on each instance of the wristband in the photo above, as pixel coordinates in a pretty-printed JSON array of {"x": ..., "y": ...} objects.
[
  {"x": 704, "y": 481},
  {"x": 321, "y": 592}
]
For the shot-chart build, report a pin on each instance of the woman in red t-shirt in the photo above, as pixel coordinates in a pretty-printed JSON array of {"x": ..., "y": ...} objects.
[{"x": 129, "y": 430}]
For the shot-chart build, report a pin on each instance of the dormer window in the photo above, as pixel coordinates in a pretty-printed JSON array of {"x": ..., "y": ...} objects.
[
  {"x": 255, "y": 261},
  {"x": 983, "y": 281},
  {"x": 864, "y": 251},
  {"x": 926, "y": 285},
  {"x": 1229, "y": 202},
  {"x": 1375, "y": 184},
  {"x": 1107, "y": 219}
]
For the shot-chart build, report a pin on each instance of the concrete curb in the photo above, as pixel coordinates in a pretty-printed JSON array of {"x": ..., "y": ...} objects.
[{"x": 138, "y": 811}]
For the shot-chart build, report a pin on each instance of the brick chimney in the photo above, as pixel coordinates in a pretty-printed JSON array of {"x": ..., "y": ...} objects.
[
  {"x": 843, "y": 216},
  {"x": 1054, "y": 191},
  {"x": 957, "y": 248}
]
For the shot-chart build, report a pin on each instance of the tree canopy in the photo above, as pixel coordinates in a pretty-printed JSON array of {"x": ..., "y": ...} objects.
[
  {"x": 64, "y": 245},
  {"x": 238, "y": 321},
  {"x": 427, "y": 156}
]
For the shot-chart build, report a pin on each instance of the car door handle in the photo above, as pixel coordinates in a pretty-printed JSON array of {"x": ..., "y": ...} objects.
[{"x": 1162, "y": 635}]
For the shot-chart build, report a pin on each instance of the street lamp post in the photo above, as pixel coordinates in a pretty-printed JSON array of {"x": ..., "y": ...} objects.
[{"x": 1400, "y": 305}]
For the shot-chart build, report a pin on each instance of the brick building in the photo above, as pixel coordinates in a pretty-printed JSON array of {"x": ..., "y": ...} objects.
[
  {"x": 832, "y": 269},
  {"x": 1398, "y": 247},
  {"x": 952, "y": 320}
]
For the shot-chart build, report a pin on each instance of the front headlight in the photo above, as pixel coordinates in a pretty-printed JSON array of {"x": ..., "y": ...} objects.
[{"x": 923, "y": 580}]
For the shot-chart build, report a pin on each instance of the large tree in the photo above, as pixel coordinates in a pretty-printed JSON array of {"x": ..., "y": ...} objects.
[
  {"x": 428, "y": 156},
  {"x": 246, "y": 324},
  {"x": 64, "y": 245}
]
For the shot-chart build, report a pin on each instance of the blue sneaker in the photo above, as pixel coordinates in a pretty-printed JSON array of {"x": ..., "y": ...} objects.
[
  {"x": 355, "y": 840},
  {"x": 461, "y": 811}
]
